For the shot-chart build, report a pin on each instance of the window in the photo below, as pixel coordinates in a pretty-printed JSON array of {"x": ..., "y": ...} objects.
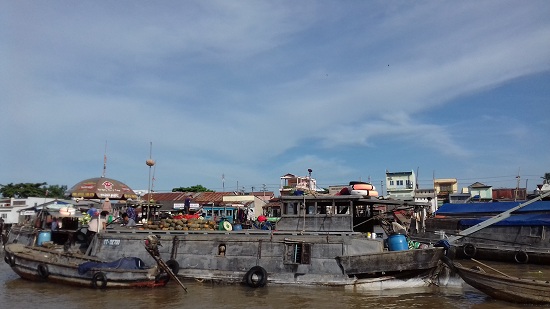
[
  {"x": 297, "y": 253},
  {"x": 400, "y": 182},
  {"x": 391, "y": 183}
]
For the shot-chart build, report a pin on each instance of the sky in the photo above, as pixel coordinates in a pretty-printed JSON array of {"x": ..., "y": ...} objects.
[{"x": 232, "y": 95}]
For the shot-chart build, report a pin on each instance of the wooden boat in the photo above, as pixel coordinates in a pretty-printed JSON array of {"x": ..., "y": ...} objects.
[
  {"x": 503, "y": 231},
  {"x": 500, "y": 286},
  {"x": 320, "y": 239},
  {"x": 54, "y": 265}
]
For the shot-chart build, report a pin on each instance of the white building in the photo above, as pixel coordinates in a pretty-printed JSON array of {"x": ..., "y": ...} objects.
[
  {"x": 401, "y": 185},
  {"x": 11, "y": 207}
]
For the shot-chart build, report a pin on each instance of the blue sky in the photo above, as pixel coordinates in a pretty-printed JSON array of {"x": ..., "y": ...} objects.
[{"x": 253, "y": 90}]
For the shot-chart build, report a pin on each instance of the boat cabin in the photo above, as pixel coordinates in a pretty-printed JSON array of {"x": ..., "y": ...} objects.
[
  {"x": 331, "y": 213},
  {"x": 217, "y": 213}
]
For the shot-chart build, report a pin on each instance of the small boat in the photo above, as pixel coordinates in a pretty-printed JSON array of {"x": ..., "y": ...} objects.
[
  {"x": 503, "y": 287},
  {"x": 53, "y": 265}
]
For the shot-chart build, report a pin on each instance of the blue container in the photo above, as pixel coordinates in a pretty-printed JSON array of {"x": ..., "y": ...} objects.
[
  {"x": 397, "y": 242},
  {"x": 237, "y": 227},
  {"x": 43, "y": 237}
]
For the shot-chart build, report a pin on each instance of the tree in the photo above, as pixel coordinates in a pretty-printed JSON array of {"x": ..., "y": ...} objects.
[
  {"x": 196, "y": 188},
  {"x": 25, "y": 190}
]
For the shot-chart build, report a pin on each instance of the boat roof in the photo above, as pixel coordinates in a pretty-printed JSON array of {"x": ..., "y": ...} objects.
[
  {"x": 493, "y": 207},
  {"x": 360, "y": 199},
  {"x": 515, "y": 220}
]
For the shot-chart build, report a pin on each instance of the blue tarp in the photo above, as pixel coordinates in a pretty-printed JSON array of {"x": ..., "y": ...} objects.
[
  {"x": 494, "y": 207},
  {"x": 123, "y": 263},
  {"x": 523, "y": 219}
]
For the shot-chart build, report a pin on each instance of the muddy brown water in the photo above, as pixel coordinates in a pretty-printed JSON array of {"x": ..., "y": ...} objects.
[{"x": 19, "y": 293}]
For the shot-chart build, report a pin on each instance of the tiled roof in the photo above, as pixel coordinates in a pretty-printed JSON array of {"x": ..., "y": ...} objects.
[
  {"x": 260, "y": 194},
  {"x": 198, "y": 197},
  {"x": 211, "y": 197},
  {"x": 168, "y": 196}
]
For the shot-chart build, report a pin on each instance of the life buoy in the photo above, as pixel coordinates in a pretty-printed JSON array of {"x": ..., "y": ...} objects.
[
  {"x": 469, "y": 250},
  {"x": 521, "y": 257},
  {"x": 81, "y": 237},
  {"x": 43, "y": 271},
  {"x": 227, "y": 226},
  {"x": 99, "y": 281},
  {"x": 174, "y": 266},
  {"x": 256, "y": 277}
]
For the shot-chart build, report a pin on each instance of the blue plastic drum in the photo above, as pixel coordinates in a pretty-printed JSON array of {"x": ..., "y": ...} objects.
[
  {"x": 397, "y": 242},
  {"x": 43, "y": 237}
]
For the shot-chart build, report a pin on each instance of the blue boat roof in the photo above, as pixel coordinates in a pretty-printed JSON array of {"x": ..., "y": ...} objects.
[
  {"x": 523, "y": 219},
  {"x": 493, "y": 207}
]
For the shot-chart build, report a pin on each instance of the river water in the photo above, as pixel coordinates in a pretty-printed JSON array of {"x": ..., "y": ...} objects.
[{"x": 19, "y": 293}]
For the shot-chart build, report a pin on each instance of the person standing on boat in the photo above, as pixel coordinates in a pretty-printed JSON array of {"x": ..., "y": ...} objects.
[
  {"x": 55, "y": 225},
  {"x": 127, "y": 221},
  {"x": 96, "y": 225},
  {"x": 187, "y": 204},
  {"x": 131, "y": 212}
]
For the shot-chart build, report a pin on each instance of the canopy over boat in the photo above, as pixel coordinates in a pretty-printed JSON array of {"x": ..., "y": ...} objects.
[{"x": 101, "y": 188}]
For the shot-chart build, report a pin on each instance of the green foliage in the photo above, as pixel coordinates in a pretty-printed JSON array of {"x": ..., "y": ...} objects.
[
  {"x": 25, "y": 190},
  {"x": 196, "y": 188}
]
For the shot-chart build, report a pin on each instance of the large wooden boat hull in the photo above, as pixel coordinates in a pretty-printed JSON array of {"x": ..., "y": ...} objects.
[
  {"x": 49, "y": 265},
  {"x": 286, "y": 258},
  {"x": 319, "y": 240},
  {"x": 506, "y": 288}
]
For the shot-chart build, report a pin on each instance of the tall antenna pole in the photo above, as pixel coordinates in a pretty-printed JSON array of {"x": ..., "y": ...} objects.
[
  {"x": 150, "y": 162},
  {"x": 104, "y": 160}
]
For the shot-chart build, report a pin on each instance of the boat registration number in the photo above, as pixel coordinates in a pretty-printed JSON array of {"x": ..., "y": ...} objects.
[{"x": 111, "y": 242}]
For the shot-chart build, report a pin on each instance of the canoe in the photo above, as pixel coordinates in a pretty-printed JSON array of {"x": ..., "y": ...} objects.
[{"x": 499, "y": 286}]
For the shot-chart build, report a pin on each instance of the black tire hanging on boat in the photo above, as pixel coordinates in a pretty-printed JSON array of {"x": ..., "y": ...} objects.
[
  {"x": 162, "y": 277},
  {"x": 174, "y": 266},
  {"x": 99, "y": 281},
  {"x": 448, "y": 262},
  {"x": 469, "y": 250},
  {"x": 256, "y": 277},
  {"x": 43, "y": 271},
  {"x": 521, "y": 257}
]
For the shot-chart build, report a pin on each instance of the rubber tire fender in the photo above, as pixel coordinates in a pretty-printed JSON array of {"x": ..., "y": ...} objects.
[
  {"x": 521, "y": 257},
  {"x": 162, "y": 277},
  {"x": 448, "y": 262},
  {"x": 99, "y": 280},
  {"x": 469, "y": 250},
  {"x": 256, "y": 277},
  {"x": 174, "y": 266},
  {"x": 43, "y": 271}
]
